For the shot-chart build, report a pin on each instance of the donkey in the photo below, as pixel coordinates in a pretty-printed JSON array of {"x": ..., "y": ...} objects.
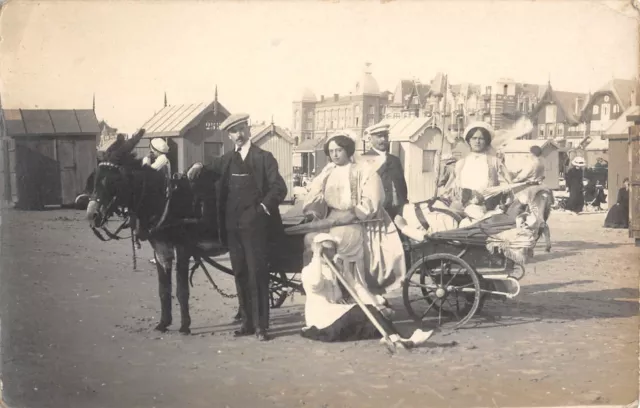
[
  {"x": 158, "y": 210},
  {"x": 539, "y": 203}
]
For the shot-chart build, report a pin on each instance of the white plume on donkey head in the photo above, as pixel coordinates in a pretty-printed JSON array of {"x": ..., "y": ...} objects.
[{"x": 520, "y": 128}]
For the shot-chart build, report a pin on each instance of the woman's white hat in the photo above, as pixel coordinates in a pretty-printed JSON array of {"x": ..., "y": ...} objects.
[
  {"x": 578, "y": 162},
  {"x": 476, "y": 125},
  {"x": 159, "y": 145}
]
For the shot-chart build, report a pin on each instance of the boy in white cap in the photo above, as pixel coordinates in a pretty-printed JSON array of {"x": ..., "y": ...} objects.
[
  {"x": 157, "y": 157},
  {"x": 328, "y": 318}
]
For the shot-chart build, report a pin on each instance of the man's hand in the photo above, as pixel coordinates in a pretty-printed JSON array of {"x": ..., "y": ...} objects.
[{"x": 194, "y": 171}]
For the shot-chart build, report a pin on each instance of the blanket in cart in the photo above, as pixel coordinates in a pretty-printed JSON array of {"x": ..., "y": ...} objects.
[{"x": 500, "y": 233}]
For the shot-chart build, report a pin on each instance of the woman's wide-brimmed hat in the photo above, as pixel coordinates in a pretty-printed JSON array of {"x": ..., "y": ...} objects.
[
  {"x": 578, "y": 162},
  {"x": 473, "y": 126}
]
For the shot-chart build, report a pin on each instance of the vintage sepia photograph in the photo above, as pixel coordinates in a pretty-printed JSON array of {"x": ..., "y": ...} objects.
[{"x": 328, "y": 204}]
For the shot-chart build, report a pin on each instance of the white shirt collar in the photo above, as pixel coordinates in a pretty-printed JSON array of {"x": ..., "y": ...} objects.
[
  {"x": 380, "y": 152},
  {"x": 244, "y": 149}
]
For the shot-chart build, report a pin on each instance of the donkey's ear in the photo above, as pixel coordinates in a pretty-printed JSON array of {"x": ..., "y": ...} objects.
[{"x": 129, "y": 144}]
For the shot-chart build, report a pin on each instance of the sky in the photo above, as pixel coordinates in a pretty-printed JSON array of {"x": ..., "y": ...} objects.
[{"x": 262, "y": 54}]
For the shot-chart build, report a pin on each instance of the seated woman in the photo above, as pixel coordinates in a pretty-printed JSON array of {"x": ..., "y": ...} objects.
[
  {"x": 480, "y": 169},
  {"x": 618, "y": 215},
  {"x": 328, "y": 317},
  {"x": 351, "y": 195}
]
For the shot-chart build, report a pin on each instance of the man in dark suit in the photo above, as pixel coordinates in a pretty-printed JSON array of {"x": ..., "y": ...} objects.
[
  {"x": 391, "y": 172},
  {"x": 249, "y": 191}
]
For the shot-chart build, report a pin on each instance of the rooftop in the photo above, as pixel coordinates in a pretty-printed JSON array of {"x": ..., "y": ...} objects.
[{"x": 41, "y": 122}]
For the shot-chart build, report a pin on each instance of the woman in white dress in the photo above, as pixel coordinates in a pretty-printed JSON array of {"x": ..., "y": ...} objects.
[{"x": 348, "y": 192}]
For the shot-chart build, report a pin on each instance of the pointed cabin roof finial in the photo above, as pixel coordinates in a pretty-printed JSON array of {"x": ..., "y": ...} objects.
[
  {"x": 215, "y": 102},
  {"x": 165, "y": 99},
  {"x": 94, "y": 102}
]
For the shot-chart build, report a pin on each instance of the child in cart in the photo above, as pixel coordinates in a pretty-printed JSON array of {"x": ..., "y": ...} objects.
[{"x": 329, "y": 318}]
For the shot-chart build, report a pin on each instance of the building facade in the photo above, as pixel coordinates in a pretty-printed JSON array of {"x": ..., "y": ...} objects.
[
  {"x": 607, "y": 104},
  {"x": 363, "y": 107},
  {"x": 557, "y": 117}
]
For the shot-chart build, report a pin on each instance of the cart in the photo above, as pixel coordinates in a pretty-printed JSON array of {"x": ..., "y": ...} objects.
[{"x": 453, "y": 272}]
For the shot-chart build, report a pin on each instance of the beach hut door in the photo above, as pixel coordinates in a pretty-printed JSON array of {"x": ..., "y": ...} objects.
[{"x": 67, "y": 163}]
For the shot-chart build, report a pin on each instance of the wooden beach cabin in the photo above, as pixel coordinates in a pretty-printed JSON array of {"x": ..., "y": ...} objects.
[
  {"x": 310, "y": 156},
  {"x": 48, "y": 155},
  {"x": 191, "y": 132},
  {"x": 516, "y": 150},
  {"x": 618, "y": 155},
  {"x": 278, "y": 142},
  {"x": 416, "y": 141}
]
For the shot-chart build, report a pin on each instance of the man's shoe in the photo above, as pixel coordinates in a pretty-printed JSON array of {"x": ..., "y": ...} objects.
[
  {"x": 243, "y": 332},
  {"x": 262, "y": 335}
]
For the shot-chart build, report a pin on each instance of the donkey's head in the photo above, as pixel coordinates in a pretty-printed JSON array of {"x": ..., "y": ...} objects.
[{"x": 112, "y": 186}]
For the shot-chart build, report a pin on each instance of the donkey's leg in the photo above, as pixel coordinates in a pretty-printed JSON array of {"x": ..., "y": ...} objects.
[
  {"x": 164, "y": 260},
  {"x": 547, "y": 236},
  {"x": 182, "y": 287}
]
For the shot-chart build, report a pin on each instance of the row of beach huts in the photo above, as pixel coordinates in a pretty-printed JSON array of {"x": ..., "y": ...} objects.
[{"x": 46, "y": 155}]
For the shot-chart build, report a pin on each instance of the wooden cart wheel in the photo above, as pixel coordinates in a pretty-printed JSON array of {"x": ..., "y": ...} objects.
[
  {"x": 445, "y": 285},
  {"x": 277, "y": 289}
]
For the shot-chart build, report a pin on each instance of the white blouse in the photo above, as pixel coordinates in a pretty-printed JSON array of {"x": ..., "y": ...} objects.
[
  {"x": 474, "y": 173},
  {"x": 337, "y": 190}
]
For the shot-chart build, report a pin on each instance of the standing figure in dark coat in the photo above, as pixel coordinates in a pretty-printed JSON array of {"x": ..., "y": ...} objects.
[
  {"x": 390, "y": 170},
  {"x": 574, "y": 178},
  {"x": 618, "y": 215},
  {"x": 594, "y": 195},
  {"x": 249, "y": 192}
]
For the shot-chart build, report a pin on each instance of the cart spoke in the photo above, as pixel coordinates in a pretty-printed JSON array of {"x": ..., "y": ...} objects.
[
  {"x": 422, "y": 285},
  {"x": 419, "y": 299},
  {"x": 429, "y": 308}
]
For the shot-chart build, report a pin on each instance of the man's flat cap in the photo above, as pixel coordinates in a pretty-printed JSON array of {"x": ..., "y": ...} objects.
[
  {"x": 378, "y": 129},
  {"x": 234, "y": 120}
]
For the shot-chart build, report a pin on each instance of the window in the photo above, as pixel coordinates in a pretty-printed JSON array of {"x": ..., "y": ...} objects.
[
  {"x": 605, "y": 109},
  {"x": 560, "y": 130},
  {"x": 550, "y": 114},
  {"x": 428, "y": 161},
  {"x": 505, "y": 89},
  {"x": 596, "y": 109},
  {"x": 371, "y": 110},
  {"x": 211, "y": 151},
  {"x": 372, "y": 121},
  {"x": 616, "y": 108},
  {"x": 541, "y": 131}
]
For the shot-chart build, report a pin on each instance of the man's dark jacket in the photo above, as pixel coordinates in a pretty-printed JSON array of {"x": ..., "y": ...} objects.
[
  {"x": 391, "y": 173},
  {"x": 273, "y": 190}
]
